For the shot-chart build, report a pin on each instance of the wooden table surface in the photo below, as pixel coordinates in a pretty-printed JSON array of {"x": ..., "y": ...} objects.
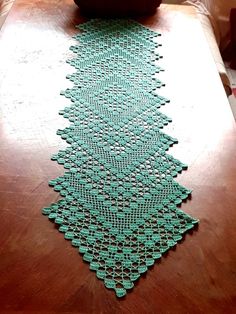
[{"x": 40, "y": 272}]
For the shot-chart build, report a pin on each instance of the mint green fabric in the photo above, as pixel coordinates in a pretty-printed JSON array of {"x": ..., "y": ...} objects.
[{"x": 119, "y": 198}]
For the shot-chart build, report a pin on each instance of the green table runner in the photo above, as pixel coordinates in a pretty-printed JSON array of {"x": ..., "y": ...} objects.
[{"x": 119, "y": 204}]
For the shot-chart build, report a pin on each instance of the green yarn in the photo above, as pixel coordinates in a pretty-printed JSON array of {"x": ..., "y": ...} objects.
[{"x": 119, "y": 205}]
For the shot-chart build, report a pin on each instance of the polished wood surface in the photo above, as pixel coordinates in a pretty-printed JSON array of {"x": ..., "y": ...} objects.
[{"x": 40, "y": 272}]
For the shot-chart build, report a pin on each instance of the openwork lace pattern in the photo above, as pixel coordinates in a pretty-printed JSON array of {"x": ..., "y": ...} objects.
[{"x": 119, "y": 199}]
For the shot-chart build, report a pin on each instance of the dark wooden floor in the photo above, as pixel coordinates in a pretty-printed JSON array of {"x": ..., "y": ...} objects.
[{"x": 39, "y": 271}]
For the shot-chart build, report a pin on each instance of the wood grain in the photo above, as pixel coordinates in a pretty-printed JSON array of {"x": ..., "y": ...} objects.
[{"x": 39, "y": 271}]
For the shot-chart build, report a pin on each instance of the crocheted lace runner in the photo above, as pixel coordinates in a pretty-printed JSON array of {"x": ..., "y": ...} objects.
[{"x": 119, "y": 204}]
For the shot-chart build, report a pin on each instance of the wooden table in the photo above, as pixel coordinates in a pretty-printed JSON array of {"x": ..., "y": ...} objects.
[{"x": 39, "y": 271}]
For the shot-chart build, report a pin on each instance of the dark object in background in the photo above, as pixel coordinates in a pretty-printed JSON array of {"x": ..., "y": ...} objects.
[
  {"x": 229, "y": 54},
  {"x": 117, "y": 8}
]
